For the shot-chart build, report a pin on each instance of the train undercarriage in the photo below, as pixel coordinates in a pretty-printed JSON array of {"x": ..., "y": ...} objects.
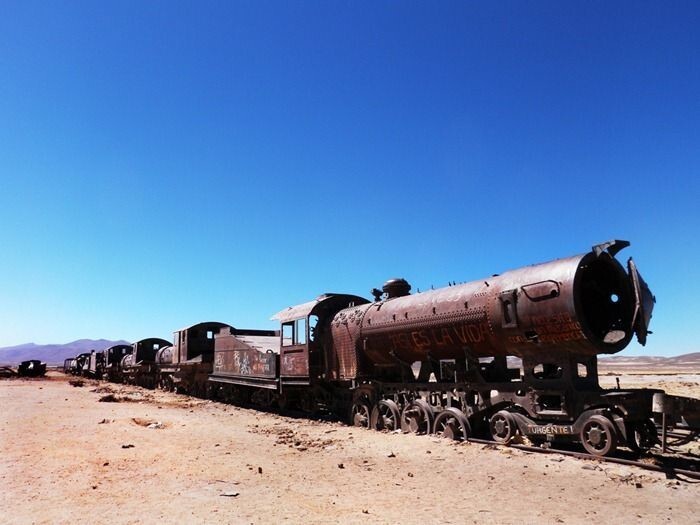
[
  {"x": 551, "y": 411},
  {"x": 555, "y": 401}
]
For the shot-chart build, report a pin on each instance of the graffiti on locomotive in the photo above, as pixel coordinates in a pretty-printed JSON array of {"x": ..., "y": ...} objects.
[{"x": 448, "y": 336}]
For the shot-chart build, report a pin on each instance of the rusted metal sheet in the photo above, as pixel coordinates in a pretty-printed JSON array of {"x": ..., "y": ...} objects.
[
  {"x": 345, "y": 330},
  {"x": 294, "y": 361},
  {"x": 164, "y": 356},
  {"x": 682, "y": 412},
  {"x": 306, "y": 309},
  {"x": 83, "y": 363},
  {"x": 253, "y": 353},
  {"x": 7, "y": 372},
  {"x": 585, "y": 305}
]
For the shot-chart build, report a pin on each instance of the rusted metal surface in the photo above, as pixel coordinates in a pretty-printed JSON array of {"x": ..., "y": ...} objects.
[
  {"x": 322, "y": 301},
  {"x": 246, "y": 354},
  {"x": 113, "y": 357},
  {"x": 83, "y": 363},
  {"x": 584, "y": 305},
  {"x": 682, "y": 412},
  {"x": 196, "y": 341},
  {"x": 70, "y": 365},
  {"x": 304, "y": 330},
  {"x": 164, "y": 356},
  {"x": 7, "y": 372},
  {"x": 346, "y": 331},
  {"x": 144, "y": 351}
]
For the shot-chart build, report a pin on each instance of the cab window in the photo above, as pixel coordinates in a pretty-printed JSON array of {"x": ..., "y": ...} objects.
[
  {"x": 300, "y": 332},
  {"x": 294, "y": 332}
]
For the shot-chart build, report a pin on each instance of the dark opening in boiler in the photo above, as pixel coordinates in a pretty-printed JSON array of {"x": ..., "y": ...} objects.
[{"x": 604, "y": 300}]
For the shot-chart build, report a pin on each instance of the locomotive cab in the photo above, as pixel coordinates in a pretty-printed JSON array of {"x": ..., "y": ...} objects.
[{"x": 305, "y": 342}]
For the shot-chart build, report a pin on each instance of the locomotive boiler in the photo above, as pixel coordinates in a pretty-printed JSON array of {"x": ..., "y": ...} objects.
[{"x": 580, "y": 306}]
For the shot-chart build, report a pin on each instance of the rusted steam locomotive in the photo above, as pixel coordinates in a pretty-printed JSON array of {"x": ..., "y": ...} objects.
[{"x": 512, "y": 354}]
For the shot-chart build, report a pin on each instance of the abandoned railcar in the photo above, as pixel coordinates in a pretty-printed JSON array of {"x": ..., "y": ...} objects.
[
  {"x": 186, "y": 364},
  {"x": 113, "y": 357},
  {"x": 138, "y": 366},
  {"x": 246, "y": 366}
]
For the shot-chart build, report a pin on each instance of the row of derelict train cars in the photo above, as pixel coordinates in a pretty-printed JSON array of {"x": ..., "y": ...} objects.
[{"x": 512, "y": 354}]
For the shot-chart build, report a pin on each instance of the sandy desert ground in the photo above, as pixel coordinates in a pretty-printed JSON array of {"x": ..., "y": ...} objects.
[{"x": 157, "y": 457}]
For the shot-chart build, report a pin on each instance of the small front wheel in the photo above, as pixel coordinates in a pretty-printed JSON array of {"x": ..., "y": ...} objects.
[
  {"x": 598, "y": 436},
  {"x": 503, "y": 426}
]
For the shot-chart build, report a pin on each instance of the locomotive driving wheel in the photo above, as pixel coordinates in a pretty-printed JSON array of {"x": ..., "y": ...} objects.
[
  {"x": 360, "y": 414},
  {"x": 503, "y": 426},
  {"x": 451, "y": 423},
  {"x": 598, "y": 436},
  {"x": 386, "y": 416},
  {"x": 417, "y": 417}
]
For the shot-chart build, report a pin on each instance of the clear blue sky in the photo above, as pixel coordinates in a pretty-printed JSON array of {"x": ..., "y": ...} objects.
[{"x": 164, "y": 163}]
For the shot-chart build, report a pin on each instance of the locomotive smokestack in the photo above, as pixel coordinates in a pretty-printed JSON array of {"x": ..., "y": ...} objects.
[{"x": 396, "y": 288}]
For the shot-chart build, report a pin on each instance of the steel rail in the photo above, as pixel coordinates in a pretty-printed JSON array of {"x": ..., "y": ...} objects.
[{"x": 669, "y": 471}]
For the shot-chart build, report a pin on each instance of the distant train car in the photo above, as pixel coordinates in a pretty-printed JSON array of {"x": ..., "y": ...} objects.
[
  {"x": 112, "y": 358},
  {"x": 31, "y": 368},
  {"x": 138, "y": 366},
  {"x": 91, "y": 364},
  {"x": 82, "y": 364},
  {"x": 186, "y": 364},
  {"x": 70, "y": 366}
]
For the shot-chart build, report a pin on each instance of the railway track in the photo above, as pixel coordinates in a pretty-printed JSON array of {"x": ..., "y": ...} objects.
[{"x": 663, "y": 463}]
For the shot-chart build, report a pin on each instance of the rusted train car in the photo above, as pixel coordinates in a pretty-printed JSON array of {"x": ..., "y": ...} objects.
[
  {"x": 90, "y": 364},
  {"x": 246, "y": 366},
  {"x": 70, "y": 366},
  {"x": 138, "y": 366},
  {"x": 186, "y": 364},
  {"x": 113, "y": 357},
  {"x": 510, "y": 354},
  {"x": 183, "y": 366}
]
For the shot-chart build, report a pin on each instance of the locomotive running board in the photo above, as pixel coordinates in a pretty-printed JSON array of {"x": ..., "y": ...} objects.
[{"x": 259, "y": 382}]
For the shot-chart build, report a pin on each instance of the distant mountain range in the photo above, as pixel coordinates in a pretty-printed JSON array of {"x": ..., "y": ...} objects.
[
  {"x": 53, "y": 354},
  {"x": 689, "y": 363},
  {"x": 685, "y": 359}
]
